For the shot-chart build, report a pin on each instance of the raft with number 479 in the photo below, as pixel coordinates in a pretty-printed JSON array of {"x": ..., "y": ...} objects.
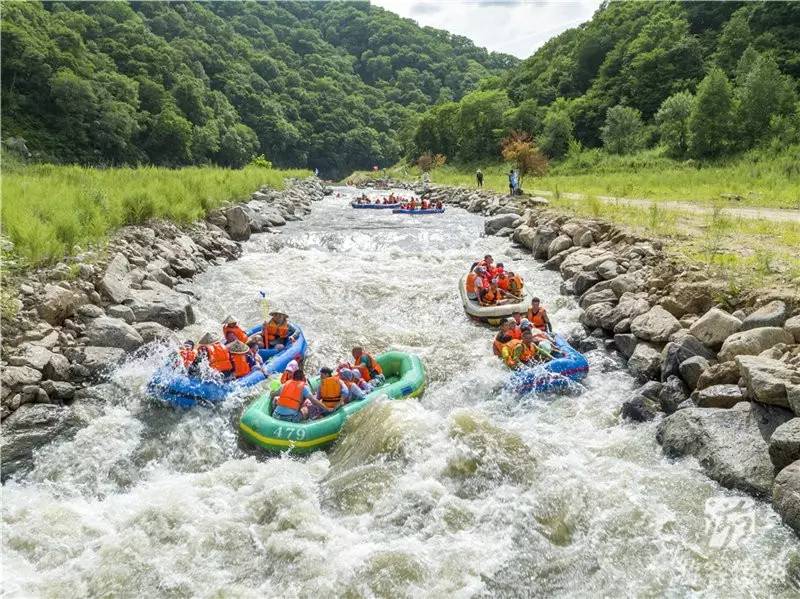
[{"x": 405, "y": 377}]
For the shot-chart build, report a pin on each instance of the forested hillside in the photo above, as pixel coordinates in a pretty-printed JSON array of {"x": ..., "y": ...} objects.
[
  {"x": 703, "y": 79},
  {"x": 327, "y": 85}
]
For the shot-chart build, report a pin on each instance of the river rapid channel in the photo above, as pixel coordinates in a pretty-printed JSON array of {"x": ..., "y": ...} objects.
[{"x": 466, "y": 492}]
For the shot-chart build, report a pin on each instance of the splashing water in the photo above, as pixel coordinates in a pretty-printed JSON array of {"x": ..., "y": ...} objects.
[{"x": 468, "y": 492}]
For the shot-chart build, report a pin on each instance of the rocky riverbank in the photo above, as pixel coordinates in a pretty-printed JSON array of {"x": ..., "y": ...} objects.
[
  {"x": 721, "y": 372},
  {"x": 79, "y": 319}
]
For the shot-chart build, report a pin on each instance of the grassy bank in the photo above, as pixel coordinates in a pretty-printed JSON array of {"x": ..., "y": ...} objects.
[
  {"x": 758, "y": 178},
  {"x": 48, "y": 210}
]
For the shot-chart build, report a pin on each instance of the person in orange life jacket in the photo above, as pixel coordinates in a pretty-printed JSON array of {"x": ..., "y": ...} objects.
[
  {"x": 214, "y": 353},
  {"x": 277, "y": 333},
  {"x": 354, "y": 391},
  {"x": 239, "y": 352},
  {"x": 519, "y": 351},
  {"x": 370, "y": 370},
  {"x": 291, "y": 400},
  {"x": 476, "y": 280},
  {"x": 491, "y": 296},
  {"x": 513, "y": 327},
  {"x": 332, "y": 392},
  {"x": 515, "y": 283},
  {"x": 231, "y": 331},
  {"x": 503, "y": 336},
  {"x": 487, "y": 263},
  {"x": 425, "y": 205},
  {"x": 538, "y": 316},
  {"x": 187, "y": 353},
  {"x": 499, "y": 269}
]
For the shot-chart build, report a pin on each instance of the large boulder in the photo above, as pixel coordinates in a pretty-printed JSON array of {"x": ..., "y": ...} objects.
[
  {"x": 597, "y": 297},
  {"x": 718, "y": 396},
  {"x": 624, "y": 284},
  {"x": 786, "y": 495},
  {"x": 541, "y": 241},
  {"x": 656, "y": 325},
  {"x": 164, "y": 306},
  {"x": 584, "y": 281},
  {"x": 625, "y": 343},
  {"x": 645, "y": 360},
  {"x": 152, "y": 331},
  {"x": 731, "y": 445},
  {"x": 58, "y": 303},
  {"x": 27, "y": 429},
  {"x": 639, "y": 408},
  {"x": 596, "y": 316},
  {"x": 237, "y": 224},
  {"x": 680, "y": 350},
  {"x": 57, "y": 369},
  {"x": 724, "y": 373},
  {"x": 113, "y": 332},
  {"x": 792, "y": 326},
  {"x": 584, "y": 259},
  {"x": 784, "y": 444},
  {"x": 558, "y": 245},
  {"x": 494, "y": 223},
  {"x": 31, "y": 355},
  {"x": 774, "y": 314},
  {"x": 100, "y": 360},
  {"x": 691, "y": 369},
  {"x": 673, "y": 393},
  {"x": 752, "y": 342},
  {"x": 713, "y": 327},
  {"x": 115, "y": 283},
  {"x": 523, "y": 235},
  {"x": 692, "y": 297},
  {"x": 771, "y": 381},
  {"x": 15, "y": 377}
]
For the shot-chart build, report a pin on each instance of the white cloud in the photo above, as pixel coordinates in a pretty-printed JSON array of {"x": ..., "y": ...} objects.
[{"x": 517, "y": 27}]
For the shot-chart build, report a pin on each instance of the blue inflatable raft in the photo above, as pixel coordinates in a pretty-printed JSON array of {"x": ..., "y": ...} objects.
[
  {"x": 173, "y": 386},
  {"x": 569, "y": 366},
  {"x": 375, "y": 206},
  {"x": 418, "y": 211}
]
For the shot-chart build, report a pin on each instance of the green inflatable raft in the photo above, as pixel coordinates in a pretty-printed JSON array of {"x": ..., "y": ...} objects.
[{"x": 405, "y": 377}]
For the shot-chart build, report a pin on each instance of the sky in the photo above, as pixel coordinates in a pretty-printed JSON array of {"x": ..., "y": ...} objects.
[{"x": 516, "y": 27}]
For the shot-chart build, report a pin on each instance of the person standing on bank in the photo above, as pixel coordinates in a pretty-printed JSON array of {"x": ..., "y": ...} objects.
[{"x": 479, "y": 177}]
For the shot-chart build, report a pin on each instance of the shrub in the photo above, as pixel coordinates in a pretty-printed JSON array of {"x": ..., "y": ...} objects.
[
  {"x": 622, "y": 133},
  {"x": 673, "y": 123}
]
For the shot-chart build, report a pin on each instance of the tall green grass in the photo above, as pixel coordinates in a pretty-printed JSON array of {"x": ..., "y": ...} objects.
[
  {"x": 758, "y": 178},
  {"x": 48, "y": 210}
]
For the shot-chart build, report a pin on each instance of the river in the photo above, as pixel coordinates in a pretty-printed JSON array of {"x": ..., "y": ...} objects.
[{"x": 466, "y": 492}]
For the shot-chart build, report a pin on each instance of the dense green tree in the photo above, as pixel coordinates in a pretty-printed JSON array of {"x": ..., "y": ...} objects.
[
  {"x": 734, "y": 38},
  {"x": 764, "y": 93},
  {"x": 711, "y": 118},
  {"x": 623, "y": 131},
  {"x": 556, "y": 133},
  {"x": 481, "y": 124},
  {"x": 673, "y": 123}
]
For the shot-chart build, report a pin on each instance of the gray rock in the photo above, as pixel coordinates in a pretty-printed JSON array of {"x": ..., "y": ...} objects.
[
  {"x": 164, "y": 306},
  {"x": 639, "y": 409},
  {"x": 752, "y": 342},
  {"x": 774, "y": 314},
  {"x": 585, "y": 281},
  {"x": 58, "y": 390},
  {"x": 523, "y": 235},
  {"x": 57, "y": 369},
  {"x": 541, "y": 241},
  {"x": 584, "y": 259},
  {"x": 558, "y": 245},
  {"x": 152, "y": 331},
  {"x": 31, "y": 355},
  {"x": 724, "y": 373},
  {"x": 113, "y": 332},
  {"x": 596, "y": 315},
  {"x": 623, "y": 326},
  {"x": 650, "y": 390},
  {"x": 645, "y": 361},
  {"x": 115, "y": 283},
  {"x": 27, "y": 429},
  {"x": 505, "y": 232},
  {"x": 786, "y": 495},
  {"x": 673, "y": 393},
  {"x": 731, "y": 445},
  {"x": 585, "y": 239},
  {"x": 693, "y": 297},
  {"x": 718, "y": 396},
  {"x": 90, "y": 311},
  {"x": 792, "y": 326},
  {"x": 656, "y": 325},
  {"x": 217, "y": 218},
  {"x": 784, "y": 444},
  {"x": 608, "y": 269},
  {"x": 122, "y": 312},
  {"x": 493, "y": 224},
  {"x": 679, "y": 350},
  {"x": 771, "y": 381},
  {"x": 237, "y": 225},
  {"x": 100, "y": 360},
  {"x": 624, "y": 284},
  {"x": 713, "y": 327},
  {"x": 596, "y": 297},
  {"x": 18, "y": 376},
  {"x": 691, "y": 369},
  {"x": 626, "y": 343},
  {"x": 58, "y": 304}
]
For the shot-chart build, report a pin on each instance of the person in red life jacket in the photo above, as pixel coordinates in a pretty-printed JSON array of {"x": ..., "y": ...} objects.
[
  {"x": 487, "y": 263},
  {"x": 538, "y": 316},
  {"x": 238, "y": 352},
  {"x": 277, "y": 333},
  {"x": 187, "y": 353},
  {"x": 231, "y": 331},
  {"x": 291, "y": 400},
  {"x": 331, "y": 393},
  {"x": 500, "y": 269},
  {"x": 491, "y": 296},
  {"x": 502, "y": 338},
  {"x": 214, "y": 353},
  {"x": 368, "y": 366}
]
